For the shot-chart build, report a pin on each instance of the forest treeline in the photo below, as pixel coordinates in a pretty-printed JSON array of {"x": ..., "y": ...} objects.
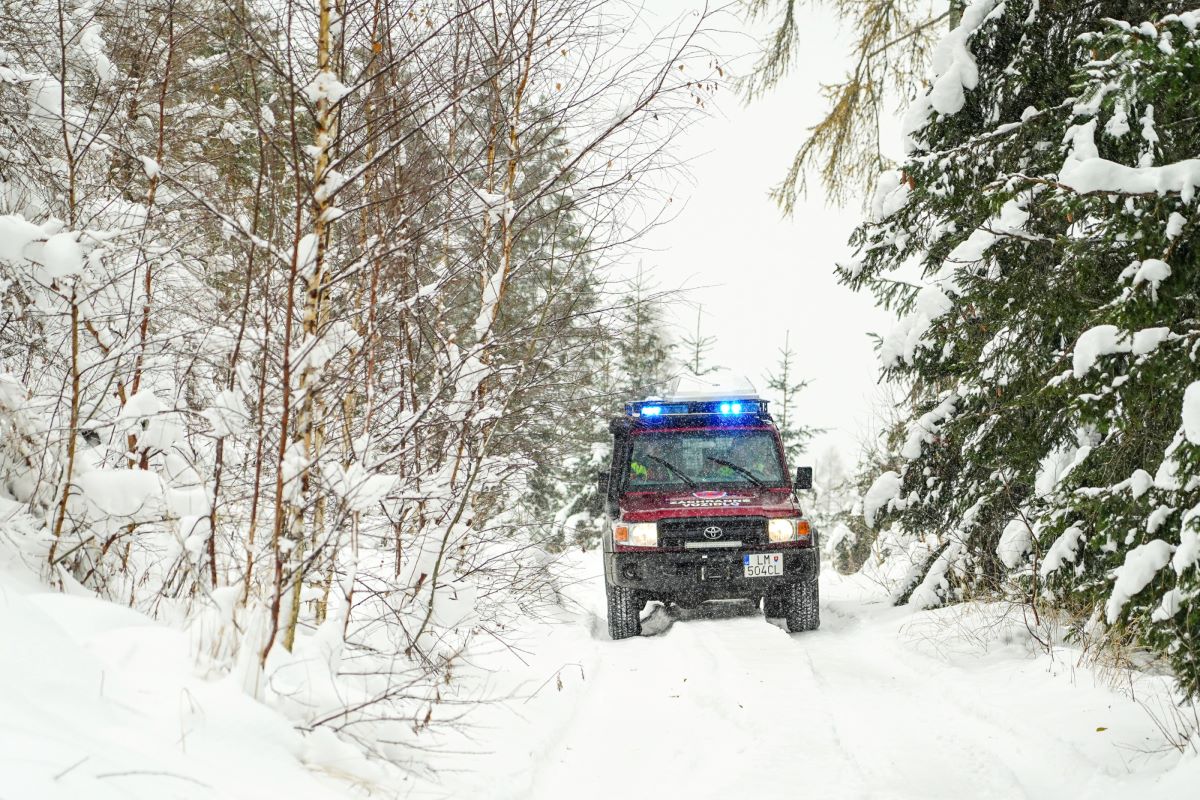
[
  {"x": 310, "y": 322},
  {"x": 1037, "y": 239}
]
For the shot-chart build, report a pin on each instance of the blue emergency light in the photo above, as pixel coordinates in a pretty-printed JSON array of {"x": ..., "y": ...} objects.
[{"x": 724, "y": 408}]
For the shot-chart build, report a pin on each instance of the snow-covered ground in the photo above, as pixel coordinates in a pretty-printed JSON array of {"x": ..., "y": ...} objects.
[
  {"x": 879, "y": 703},
  {"x": 100, "y": 702},
  {"x": 97, "y": 701}
]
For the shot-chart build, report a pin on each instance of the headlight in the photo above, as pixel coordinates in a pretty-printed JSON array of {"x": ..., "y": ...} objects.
[
  {"x": 788, "y": 530},
  {"x": 637, "y": 534}
]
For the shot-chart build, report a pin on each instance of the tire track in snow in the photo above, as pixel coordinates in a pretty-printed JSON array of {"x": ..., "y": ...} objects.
[
  {"x": 721, "y": 704},
  {"x": 896, "y": 717}
]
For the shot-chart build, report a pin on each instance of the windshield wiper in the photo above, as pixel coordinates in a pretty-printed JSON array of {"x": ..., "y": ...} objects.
[
  {"x": 755, "y": 479},
  {"x": 691, "y": 482}
]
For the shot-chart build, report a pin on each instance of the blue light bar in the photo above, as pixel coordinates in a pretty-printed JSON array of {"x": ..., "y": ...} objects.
[{"x": 724, "y": 408}]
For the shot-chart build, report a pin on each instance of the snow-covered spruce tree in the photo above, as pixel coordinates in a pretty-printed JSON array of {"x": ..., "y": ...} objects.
[
  {"x": 1126, "y": 537},
  {"x": 1048, "y": 205}
]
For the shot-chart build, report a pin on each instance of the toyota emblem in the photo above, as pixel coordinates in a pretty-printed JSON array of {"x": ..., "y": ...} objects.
[{"x": 712, "y": 532}]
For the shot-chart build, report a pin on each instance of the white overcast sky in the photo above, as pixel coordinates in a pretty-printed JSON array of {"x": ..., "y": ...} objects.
[{"x": 759, "y": 275}]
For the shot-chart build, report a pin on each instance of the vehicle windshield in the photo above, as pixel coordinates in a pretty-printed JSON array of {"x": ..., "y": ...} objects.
[{"x": 705, "y": 458}]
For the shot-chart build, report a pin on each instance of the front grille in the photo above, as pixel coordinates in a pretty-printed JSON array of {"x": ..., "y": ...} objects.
[{"x": 749, "y": 531}]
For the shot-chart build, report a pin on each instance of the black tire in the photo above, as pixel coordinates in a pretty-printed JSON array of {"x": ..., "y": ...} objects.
[
  {"x": 802, "y": 606},
  {"x": 774, "y": 606},
  {"x": 624, "y": 612}
]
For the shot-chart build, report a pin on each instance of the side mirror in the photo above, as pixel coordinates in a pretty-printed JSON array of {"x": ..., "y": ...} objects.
[
  {"x": 602, "y": 482},
  {"x": 803, "y": 477}
]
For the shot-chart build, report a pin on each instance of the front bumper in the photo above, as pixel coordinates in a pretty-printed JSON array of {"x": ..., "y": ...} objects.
[{"x": 705, "y": 576}]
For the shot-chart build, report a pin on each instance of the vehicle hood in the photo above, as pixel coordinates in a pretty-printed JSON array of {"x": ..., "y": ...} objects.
[{"x": 650, "y": 506}]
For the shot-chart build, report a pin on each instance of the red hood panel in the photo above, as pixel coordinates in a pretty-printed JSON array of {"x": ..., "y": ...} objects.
[{"x": 650, "y": 506}]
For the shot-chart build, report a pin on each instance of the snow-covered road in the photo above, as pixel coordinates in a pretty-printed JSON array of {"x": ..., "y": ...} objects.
[
  {"x": 879, "y": 703},
  {"x": 97, "y": 701}
]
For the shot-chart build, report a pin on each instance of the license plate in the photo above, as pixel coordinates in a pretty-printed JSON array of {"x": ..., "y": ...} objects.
[{"x": 762, "y": 565}]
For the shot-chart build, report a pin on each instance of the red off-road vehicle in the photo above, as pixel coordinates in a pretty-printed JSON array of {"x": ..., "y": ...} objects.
[{"x": 701, "y": 506}]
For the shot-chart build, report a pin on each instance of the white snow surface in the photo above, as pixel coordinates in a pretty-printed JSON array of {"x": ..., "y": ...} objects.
[
  {"x": 1063, "y": 550},
  {"x": 930, "y": 304},
  {"x": 882, "y": 702},
  {"x": 927, "y": 427},
  {"x": 1152, "y": 271},
  {"x": 891, "y": 195},
  {"x": 720, "y": 384},
  {"x": 98, "y": 701},
  {"x": 716, "y": 702}
]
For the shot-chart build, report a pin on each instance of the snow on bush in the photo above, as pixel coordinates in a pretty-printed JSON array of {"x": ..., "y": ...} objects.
[
  {"x": 891, "y": 194},
  {"x": 932, "y": 591},
  {"x": 925, "y": 429},
  {"x": 1063, "y": 550},
  {"x": 1015, "y": 543},
  {"x": 1187, "y": 555},
  {"x": 954, "y": 71},
  {"x": 1191, "y": 412},
  {"x": 902, "y": 342},
  {"x": 1142, "y": 563},
  {"x": 883, "y": 490},
  {"x": 1105, "y": 340}
]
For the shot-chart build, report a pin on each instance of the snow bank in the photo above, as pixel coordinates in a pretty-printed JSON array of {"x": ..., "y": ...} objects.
[
  {"x": 124, "y": 493},
  {"x": 101, "y": 702}
]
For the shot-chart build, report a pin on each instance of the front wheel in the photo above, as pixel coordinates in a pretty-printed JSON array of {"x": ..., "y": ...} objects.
[
  {"x": 624, "y": 612},
  {"x": 802, "y": 609}
]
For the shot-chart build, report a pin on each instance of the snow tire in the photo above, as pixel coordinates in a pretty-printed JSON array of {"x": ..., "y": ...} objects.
[
  {"x": 802, "y": 604},
  {"x": 774, "y": 606},
  {"x": 624, "y": 612}
]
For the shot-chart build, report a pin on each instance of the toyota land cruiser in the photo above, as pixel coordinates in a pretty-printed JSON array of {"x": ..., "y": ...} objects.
[{"x": 700, "y": 507}]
